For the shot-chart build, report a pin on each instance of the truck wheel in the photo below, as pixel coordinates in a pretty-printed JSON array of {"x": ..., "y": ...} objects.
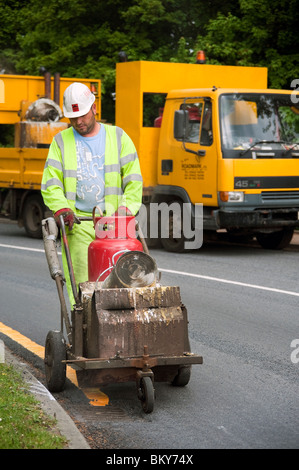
[
  {"x": 33, "y": 213},
  {"x": 55, "y": 353},
  {"x": 275, "y": 240},
  {"x": 175, "y": 225}
]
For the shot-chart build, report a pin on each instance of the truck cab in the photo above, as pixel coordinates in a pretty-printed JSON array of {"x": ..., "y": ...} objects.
[
  {"x": 226, "y": 143},
  {"x": 242, "y": 165}
]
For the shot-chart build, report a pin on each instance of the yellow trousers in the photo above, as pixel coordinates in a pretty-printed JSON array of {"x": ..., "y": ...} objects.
[{"x": 79, "y": 239}]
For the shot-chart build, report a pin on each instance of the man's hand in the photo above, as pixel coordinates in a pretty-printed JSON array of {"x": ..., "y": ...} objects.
[{"x": 68, "y": 217}]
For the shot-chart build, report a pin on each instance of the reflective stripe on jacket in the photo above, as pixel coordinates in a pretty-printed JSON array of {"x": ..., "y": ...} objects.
[{"x": 123, "y": 180}]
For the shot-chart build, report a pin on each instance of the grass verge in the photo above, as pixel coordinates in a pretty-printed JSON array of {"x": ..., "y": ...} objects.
[{"x": 23, "y": 423}]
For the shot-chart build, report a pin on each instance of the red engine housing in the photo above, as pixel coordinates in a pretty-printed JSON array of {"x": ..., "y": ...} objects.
[{"x": 114, "y": 236}]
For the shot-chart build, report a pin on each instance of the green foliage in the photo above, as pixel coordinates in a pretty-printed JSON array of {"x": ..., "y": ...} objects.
[
  {"x": 262, "y": 33},
  {"x": 23, "y": 424},
  {"x": 7, "y": 134},
  {"x": 83, "y": 39}
]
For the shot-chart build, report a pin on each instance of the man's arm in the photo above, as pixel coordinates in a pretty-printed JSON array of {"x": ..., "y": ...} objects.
[
  {"x": 131, "y": 176},
  {"x": 52, "y": 187}
]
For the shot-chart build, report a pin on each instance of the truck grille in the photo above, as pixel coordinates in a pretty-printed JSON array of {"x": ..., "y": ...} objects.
[{"x": 279, "y": 195}]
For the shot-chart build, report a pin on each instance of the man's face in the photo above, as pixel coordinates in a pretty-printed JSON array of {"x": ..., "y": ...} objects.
[{"x": 84, "y": 125}]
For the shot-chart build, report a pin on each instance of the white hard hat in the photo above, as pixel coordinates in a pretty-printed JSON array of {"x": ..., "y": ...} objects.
[{"x": 77, "y": 100}]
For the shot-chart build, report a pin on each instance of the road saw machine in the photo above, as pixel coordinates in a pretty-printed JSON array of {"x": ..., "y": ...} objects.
[{"x": 125, "y": 325}]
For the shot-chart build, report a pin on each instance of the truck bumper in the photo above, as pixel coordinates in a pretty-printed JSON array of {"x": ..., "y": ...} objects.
[{"x": 256, "y": 219}]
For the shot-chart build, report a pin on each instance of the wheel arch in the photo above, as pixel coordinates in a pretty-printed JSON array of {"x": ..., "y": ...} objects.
[{"x": 167, "y": 193}]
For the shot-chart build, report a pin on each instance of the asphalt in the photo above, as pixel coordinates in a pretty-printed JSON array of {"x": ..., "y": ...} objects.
[{"x": 49, "y": 404}]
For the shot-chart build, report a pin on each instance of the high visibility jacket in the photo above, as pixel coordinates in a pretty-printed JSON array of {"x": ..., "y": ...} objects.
[{"x": 123, "y": 180}]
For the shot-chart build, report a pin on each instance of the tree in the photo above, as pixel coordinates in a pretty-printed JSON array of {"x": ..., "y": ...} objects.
[
  {"x": 264, "y": 33},
  {"x": 83, "y": 39},
  {"x": 9, "y": 28}
]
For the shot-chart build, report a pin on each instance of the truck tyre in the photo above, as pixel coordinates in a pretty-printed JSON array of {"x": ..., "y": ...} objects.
[
  {"x": 33, "y": 214},
  {"x": 171, "y": 243},
  {"x": 275, "y": 240}
]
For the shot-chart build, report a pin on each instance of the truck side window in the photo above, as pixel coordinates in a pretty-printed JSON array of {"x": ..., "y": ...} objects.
[
  {"x": 206, "y": 136},
  {"x": 194, "y": 113},
  {"x": 153, "y": 104}
]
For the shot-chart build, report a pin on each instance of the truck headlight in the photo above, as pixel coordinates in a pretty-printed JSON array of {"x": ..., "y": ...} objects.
[{"x": 231, "y": 196}]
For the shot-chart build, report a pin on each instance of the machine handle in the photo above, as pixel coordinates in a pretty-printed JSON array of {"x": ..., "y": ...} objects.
[
  {"x": 93, "y": 214},
  {"x": 142, "y": 239},
  {"x": 68, "y": 258}
]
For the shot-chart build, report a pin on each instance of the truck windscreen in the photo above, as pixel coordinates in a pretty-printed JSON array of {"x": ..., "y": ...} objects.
[{"x": 259, "y": 125}]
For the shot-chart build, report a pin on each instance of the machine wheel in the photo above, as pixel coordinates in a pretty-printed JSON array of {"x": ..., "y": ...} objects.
[
  {"x": 55, "y": 353},
  {"x": 147, "y": 394},
  {"x": 275, "y": 240},
  {"x": 183, "y": 376},
  {"x": 33, "y": 213}
]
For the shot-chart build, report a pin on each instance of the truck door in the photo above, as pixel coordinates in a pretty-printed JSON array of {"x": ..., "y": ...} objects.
[{"x": 194, "y": 155}]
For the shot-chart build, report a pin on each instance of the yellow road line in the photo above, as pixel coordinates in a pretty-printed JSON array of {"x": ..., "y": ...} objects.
[{"x": 95, "y": 395}]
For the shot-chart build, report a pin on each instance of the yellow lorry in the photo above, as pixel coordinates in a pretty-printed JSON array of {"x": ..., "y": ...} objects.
[
  {"x": 27, "y": 108},
  {"x": 223, "y": 142},
  {"x": 226, "y": 142}
]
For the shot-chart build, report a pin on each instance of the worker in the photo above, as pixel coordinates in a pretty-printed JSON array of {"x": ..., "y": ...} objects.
[{"x": 89, "y": 165}]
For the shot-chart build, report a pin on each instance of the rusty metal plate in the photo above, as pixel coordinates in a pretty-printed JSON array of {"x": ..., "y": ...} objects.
[
  {"x": 137, "y": 298},
  {"x": 127, "y": 331}
]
